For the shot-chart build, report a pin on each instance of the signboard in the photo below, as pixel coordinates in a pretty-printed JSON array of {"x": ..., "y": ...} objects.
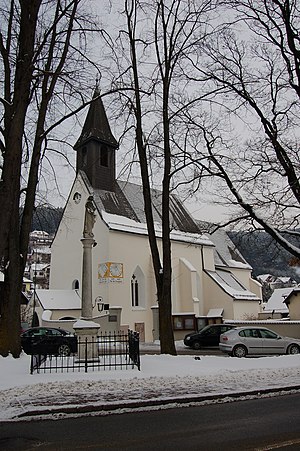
[{"x": 110, "y": 272}]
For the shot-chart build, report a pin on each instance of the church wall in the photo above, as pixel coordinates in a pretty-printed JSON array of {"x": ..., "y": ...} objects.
[
  {"x": 294, "y": 306},
  {"x": 255, "y": 287},
  {"x": 192, "y": 290},
  {"x": 208, "y": 261},
  {"x": 133, "y": 252},
  {"x": 66, "y": 249},
  {"x": 243, "y": 275},
  {"x": 245, "y": 310},
  {"x": 215, "y": 297},
  {"x": 187, "y": 277}
]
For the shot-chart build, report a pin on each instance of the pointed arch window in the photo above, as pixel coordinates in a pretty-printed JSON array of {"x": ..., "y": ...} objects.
[
  {"x": 138, "y": 288},
  {"x": 134, "y": 291},
  {"x": 104, "y": 156},
  {"x": 84, "y": 156},
  {"x": 75, "y": 284}
]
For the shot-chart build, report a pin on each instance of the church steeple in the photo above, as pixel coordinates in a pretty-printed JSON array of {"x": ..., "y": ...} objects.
[{"x": 96, "y": 147}]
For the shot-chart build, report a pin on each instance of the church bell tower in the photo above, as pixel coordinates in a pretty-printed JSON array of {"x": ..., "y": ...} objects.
[{"x": 96, "y": 147}]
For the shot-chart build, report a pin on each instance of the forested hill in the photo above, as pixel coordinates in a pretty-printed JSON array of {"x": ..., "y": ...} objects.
[
  {"x": 260, "y": 251},
  {"x": 264, "y": 255},
  {"x": 46, "y": 219}
]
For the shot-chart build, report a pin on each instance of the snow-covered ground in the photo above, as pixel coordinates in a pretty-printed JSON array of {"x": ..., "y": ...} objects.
[{"x": 162, "y": 377}]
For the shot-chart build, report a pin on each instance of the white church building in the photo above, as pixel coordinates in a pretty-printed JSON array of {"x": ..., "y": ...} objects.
[{"x": 210, "y": 279}]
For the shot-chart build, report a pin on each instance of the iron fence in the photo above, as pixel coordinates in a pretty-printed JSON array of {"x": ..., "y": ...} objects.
[{"x": 107, "y": 351}]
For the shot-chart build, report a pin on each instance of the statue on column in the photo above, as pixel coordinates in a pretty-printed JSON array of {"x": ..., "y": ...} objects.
[{"x": 90, "y": 218}]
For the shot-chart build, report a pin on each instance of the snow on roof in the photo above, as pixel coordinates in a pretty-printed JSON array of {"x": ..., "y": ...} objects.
[
  {"x": 284, "y": 279},
  {"x": 229, "y": 283},
  {"x": 215, "y": 312},
  {"x": 226, "y": 253},
  {"x": 39, "y": 266},
  {"x": 59, "y": 299},
  {"x": 42, "y": 250},
  {"x": 39, "y": 233},
  {"x": 121, "y": 223},
  {"x": 276, "y": 301},
  {"x": 264, "y": 277},
  {"x": 25, "y": 280}
]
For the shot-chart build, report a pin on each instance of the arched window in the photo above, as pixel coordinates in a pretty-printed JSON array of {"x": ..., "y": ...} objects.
[
  {"x": 75, "y": 284},
  {"x": 134, "y": 291},
  {"x": 84, "y": 156},
  {"x": 138, "y": 288},
  {"x": 104, "y": 156}
]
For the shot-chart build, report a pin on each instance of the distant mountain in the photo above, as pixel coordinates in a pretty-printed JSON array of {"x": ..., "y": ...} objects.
[
  {"x": 264, "y": 254},
  {"x": 46, "y": 219}
]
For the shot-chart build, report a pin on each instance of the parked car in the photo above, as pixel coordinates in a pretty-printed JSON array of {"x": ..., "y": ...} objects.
[
  {"x": 209, "y": 336},
  {"x": 257, "y": 340},
  {"x": 48, "y": 340}
]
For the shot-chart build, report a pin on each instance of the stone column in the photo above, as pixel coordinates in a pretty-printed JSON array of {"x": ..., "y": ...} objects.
[
  {"x": 86, "y": 329},
  {"x": 86, "y": 296}
]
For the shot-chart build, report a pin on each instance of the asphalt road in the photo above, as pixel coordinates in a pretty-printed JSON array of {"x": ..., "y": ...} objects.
[{"x": 261, "y": 424}]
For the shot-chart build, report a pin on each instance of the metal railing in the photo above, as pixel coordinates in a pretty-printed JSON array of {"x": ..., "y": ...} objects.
[{"x": 107, "y": 351}]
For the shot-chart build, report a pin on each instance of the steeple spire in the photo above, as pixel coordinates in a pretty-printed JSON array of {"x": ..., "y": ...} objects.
[{"x": 96, "y": 146}]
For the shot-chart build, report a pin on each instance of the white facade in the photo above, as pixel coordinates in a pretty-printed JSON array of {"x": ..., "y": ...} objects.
[
  {"x": 204, "y": 277},
  {"x": 123, "y": 247}
]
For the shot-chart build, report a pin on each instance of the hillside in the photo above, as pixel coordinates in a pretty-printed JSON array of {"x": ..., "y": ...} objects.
[
  {"x": 264, "y": 255},
  {"x": 46, "y": 219}
]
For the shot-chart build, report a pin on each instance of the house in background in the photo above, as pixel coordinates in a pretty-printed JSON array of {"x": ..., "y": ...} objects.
[
  {"x": 270, "y": 283},
  {"x": 292, "y": 301},
  {"x": 39, "y": 259},
  {"x": 275, "y": 307},
  {"x": 210, "y": 279}
]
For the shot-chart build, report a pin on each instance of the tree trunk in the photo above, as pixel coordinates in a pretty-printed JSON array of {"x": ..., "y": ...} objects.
[{"x": 10, "y": 319}]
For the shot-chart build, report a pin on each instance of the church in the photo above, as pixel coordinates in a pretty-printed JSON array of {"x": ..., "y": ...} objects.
[{"x": 210, "y": 279}]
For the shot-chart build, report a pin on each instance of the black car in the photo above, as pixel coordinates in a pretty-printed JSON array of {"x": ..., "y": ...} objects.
[
  {"x": 48, "y": 341},
  {"x": 207, "y": 337}
]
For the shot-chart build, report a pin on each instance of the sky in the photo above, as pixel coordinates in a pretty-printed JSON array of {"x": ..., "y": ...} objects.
[
  {"x": 161, "y": 377},
  {"x": 57, "y": 192}
]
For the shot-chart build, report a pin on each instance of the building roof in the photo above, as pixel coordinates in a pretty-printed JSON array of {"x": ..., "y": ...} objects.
[
  {"x": 96, "y": 124},
  {"x": 294, "y": 291},
  {"x": 127, "y": 202},
  {"x": 231, "y": 285},
  {"x": 226, "y": 253},
  {"x": 59, "y": 299},
  {"x": 277, "y": 299}
]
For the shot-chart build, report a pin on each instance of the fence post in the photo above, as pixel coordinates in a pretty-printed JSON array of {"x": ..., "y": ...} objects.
[{"x": 86, "y": 356}]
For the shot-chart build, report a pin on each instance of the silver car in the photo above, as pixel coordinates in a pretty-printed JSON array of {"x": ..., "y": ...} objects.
[{"x": 253, "y": 340}]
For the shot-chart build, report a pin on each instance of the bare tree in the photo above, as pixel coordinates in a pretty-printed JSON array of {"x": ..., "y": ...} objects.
[
  {"x": 156, "y": 45},
  {"x": 252, "y": 67},
  {"x": 41, "y": 45}
]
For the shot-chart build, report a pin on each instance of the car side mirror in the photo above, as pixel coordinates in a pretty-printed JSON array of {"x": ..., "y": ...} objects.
[{"x": 279, "y": 337}]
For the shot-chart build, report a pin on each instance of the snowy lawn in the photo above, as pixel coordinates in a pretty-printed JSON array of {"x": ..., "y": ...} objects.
[{"x": 161, "y": 377}]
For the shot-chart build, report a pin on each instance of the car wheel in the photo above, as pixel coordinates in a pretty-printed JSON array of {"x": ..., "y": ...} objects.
[
  {"x": 196, "y": 345},
  {"x": 239, "y": 351},
  {"x": 293, "y": 349},
  {"x": 64, "y": 350}
]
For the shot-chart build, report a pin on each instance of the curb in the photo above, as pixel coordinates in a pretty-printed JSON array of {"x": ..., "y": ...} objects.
[{"x": 153, "y": 402}]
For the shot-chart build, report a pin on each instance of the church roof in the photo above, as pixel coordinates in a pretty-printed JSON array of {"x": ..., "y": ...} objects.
[
  {"x": 96, "y": 124},
  {"x": 127, "y": 201}
]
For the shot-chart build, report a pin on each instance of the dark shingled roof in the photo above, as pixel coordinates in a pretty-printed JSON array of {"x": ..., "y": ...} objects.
[
  {"x": 96, "y": 125},
  {"x": 127, "y": 200}
]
